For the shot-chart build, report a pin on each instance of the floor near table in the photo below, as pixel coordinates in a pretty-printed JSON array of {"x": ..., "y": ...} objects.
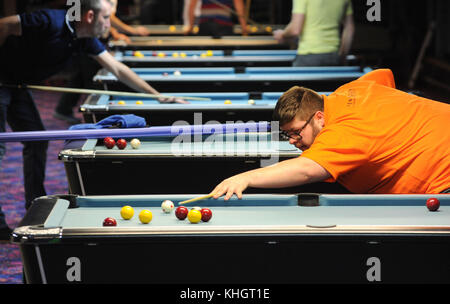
[{"x": 11, "y": 184}]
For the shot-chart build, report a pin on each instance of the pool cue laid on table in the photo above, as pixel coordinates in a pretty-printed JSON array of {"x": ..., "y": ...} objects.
[
  {"x": 196, "y": 199},
  {"x": 179, "y": 130},
  {"x": 101, "y": 92}
]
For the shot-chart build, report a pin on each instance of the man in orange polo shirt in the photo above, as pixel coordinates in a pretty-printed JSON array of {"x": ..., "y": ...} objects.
[{"x": 367, "y": 136}]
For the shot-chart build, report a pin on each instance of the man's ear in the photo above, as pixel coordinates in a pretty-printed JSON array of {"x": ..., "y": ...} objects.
[
  {"x": 89, "y": 17},
  {"x": 320, "y": 116}
]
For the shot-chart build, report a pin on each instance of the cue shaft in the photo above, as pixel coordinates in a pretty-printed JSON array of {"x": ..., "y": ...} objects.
[
  {"x": 183, "y": 130},
  {"x": 196, "y": 199},
  {"x": 104, "y": 92}
]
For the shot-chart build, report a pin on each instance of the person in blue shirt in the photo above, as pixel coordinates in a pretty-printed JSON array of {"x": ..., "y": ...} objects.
[{"x": 34, "y": 46}]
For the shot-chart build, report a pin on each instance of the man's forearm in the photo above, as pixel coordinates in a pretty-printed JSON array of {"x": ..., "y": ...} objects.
[
  {"x": 131, "y": 79},
  {"x": 292, "y": 172},
  {"x": 9, "y": 26},
  {"x": 347, "y": 36}
]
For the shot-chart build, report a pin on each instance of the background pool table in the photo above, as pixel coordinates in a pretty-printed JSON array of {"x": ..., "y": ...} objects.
[
  {"x": 266, "y": 238},
  {"x": 199, "y": 43},
  {"x": 259, "y": 79},
  {"x": 182, "y": 164},
  {"x": 97, "y": 107},
  {"x": 213, "y": 58},
  {"x": 178, "y": 30}
]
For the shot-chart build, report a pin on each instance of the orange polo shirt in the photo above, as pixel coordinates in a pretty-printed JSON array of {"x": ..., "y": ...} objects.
[{"x": 378, "y": 139}]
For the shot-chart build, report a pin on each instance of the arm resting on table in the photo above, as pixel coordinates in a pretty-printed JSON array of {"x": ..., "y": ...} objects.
[{"x": 288, "y": 173}]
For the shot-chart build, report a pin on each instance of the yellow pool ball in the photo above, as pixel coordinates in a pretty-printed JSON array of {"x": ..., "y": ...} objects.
[
  {"x": 203, "y": 55},
  {"x": 172, "y": 28},
  {"x": 195, "y": 29},
  {"x": 127, "y": 212},
  {"x": 175, "y": 54},
  {"x": 209, "y": 53},
  {"x": 227, "y": 101},
  {"x": 269, "y": 29},
  {"x": 183, "y": 55},
  {"x": 194, "y": 216},
  {"x": 138, "y": 54},
  {"x": 161, "y": 54},
  {"x": 121, "y": 102},
  {"x": 139, "y": 102},
  {"x": 254, "y": 29},
  {"x": 145, "y": 216}
]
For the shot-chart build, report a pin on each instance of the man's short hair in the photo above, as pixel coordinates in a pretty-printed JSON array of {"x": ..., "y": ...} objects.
[
  {"x": 95, "y": 5},
  {"x": 297, "y": 102}
]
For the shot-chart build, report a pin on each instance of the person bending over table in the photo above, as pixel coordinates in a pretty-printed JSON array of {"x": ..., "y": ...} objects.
[
  {"x": 316, "y": 24},
  {"x": 84, "y": 67},
  {"x": 216, "y": 17},
  {"x": 34, "y": 46},
  {"x": 367, "y": 136}
]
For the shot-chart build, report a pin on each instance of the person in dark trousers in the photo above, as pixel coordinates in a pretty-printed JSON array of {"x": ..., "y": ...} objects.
[{"x": 34, "y": 46}]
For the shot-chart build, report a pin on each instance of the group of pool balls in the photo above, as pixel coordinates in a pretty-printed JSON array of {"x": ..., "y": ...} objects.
[
  {"x": 121, "y": 143},
  {"x": 208, "y": 53},
  {"x": 194, "y": 215}
]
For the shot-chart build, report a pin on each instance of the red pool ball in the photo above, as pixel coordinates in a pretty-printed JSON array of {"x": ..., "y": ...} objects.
[
  {"x": 121, "y": 143},
  {"x": 109, "y": 142},
  {"x": 206, "y": 214},
  {"x": 433, "y": 204},
  {"x": 181, "y": 212},
  {"x": 109, "y": 221}
]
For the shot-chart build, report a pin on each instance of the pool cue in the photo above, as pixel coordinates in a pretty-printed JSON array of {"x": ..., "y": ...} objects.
[
  {"x": 196, "y": 199},
  {"x": 101, "y": 92},
  {"x": 182, "y": 130}
]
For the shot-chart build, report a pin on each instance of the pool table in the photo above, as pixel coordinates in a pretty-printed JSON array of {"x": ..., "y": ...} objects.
[
  {"x": 97, "y": 107},
  {"x": 264, "y": 42},
  {"x": 213, "y": 58},
  {"x": 263, "y": 238},
  {"x": 249, "y": 79},
  {"x": 180, "y": 164},
  {"x": 178, "y": 30}
]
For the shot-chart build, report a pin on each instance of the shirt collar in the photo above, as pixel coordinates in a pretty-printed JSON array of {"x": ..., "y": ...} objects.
[{"x": 70, "y": 27}]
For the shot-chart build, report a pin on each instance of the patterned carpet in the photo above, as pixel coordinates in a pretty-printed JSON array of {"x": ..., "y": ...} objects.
[{"x": 11, "y": 184}]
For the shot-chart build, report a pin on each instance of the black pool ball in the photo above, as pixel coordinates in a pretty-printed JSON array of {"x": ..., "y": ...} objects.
[
  {"x": 109, "y": 221},
  {"x": 433, "y": 204},
  {"x": 109, "y": 142}
]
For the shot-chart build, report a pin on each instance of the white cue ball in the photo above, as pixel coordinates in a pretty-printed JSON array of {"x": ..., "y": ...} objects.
[
  {"x": 135, "y": 143},
  {"x": 167, "y": 206},
  {"x": 177, "y": 73},
  {"x": 251, "y": 101}
]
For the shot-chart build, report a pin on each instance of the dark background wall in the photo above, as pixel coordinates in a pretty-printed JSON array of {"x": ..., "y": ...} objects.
[{"x": 395, "y": 41}]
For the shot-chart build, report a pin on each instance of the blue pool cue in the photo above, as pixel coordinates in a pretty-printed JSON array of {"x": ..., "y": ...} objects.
[{"x": 206, "y": 129}]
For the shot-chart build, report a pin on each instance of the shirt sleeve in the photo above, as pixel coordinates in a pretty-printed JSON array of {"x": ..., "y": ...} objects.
[
  {"x": 37, "y": 23},
  {"x": 299, "y": 6},
  {"x": 381, "y": 76},
  {"x": 338, "y": 149}
]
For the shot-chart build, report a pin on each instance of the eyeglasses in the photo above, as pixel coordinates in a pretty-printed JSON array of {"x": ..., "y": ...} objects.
[{"x": 295, "y": 134}]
